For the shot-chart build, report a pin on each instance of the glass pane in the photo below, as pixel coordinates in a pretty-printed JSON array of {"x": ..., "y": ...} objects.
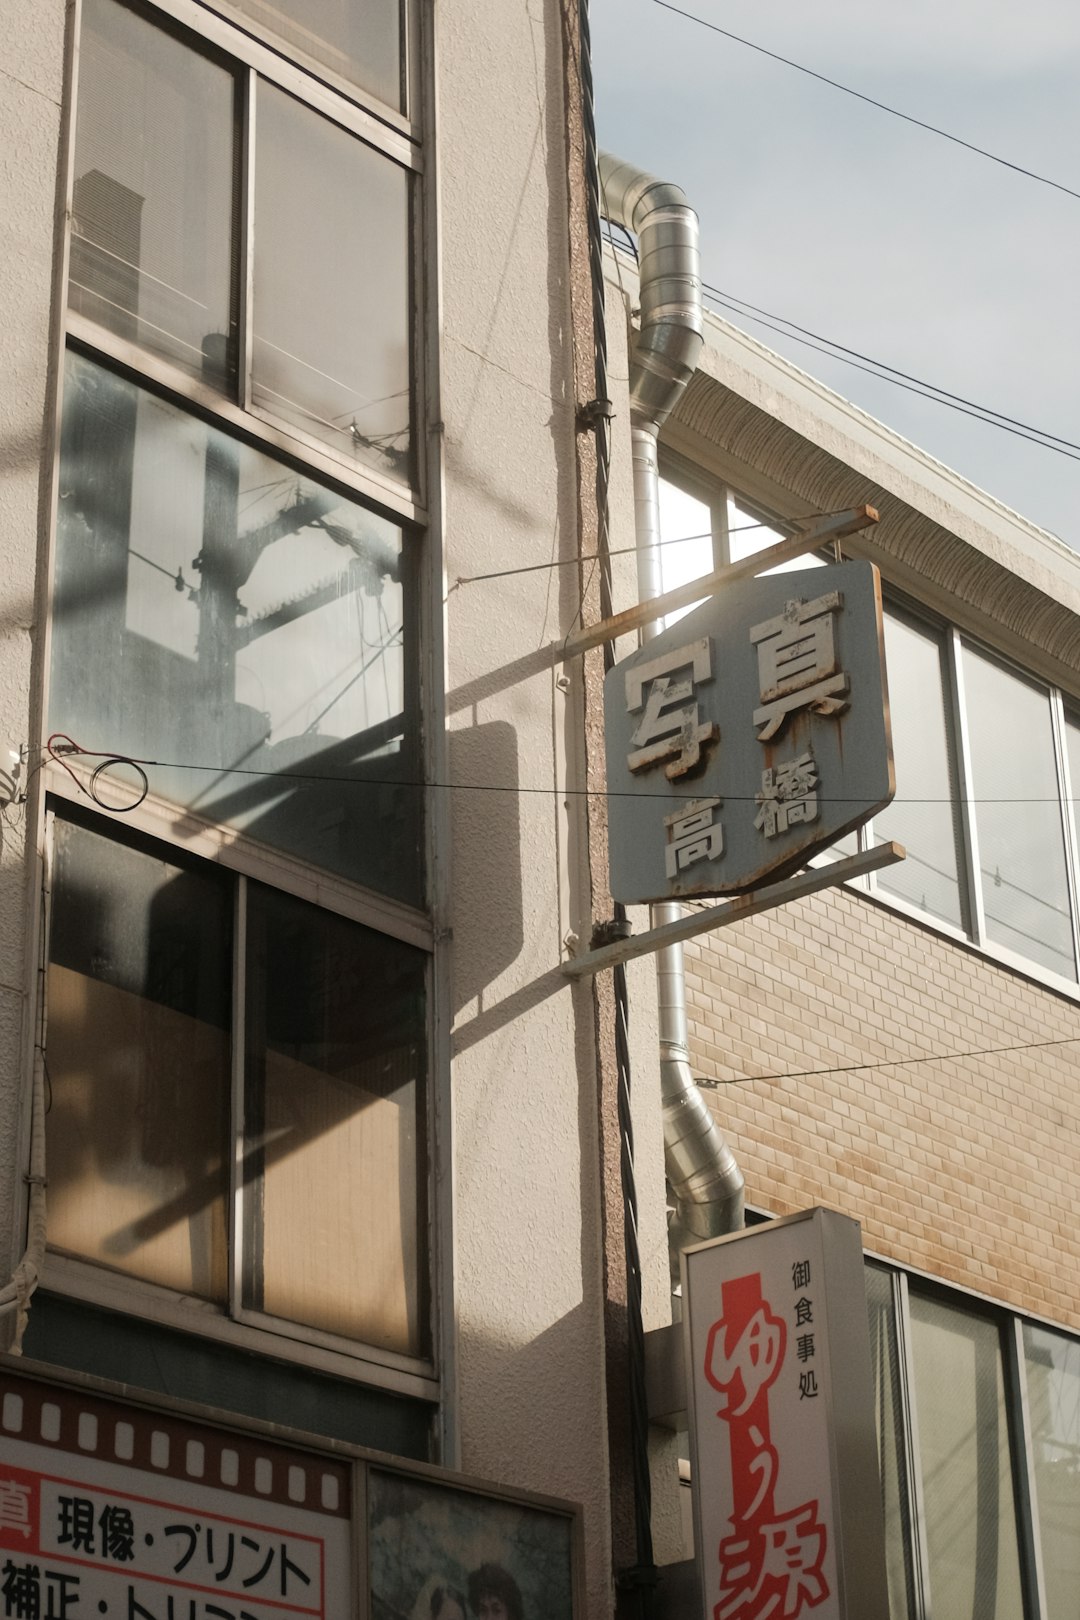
[
  {"x": 965, "y": 1459},
  {"x": 241, "y": 627},
  {"x": 360, "y": 40},
  {"x": 924, "y": 816},
  {"x": 1072, "y": 748},
  {"x": 151, "y": 241},
  {"x": 334, "y": 1200},
  {"x": 747, "y": 535},
  {"x": 138, "y": 1062},
  {"x": 1053, "y": 1382},
  {"x": 332, "y": 294},
  {"x": 892, "y": 1459},
  {"x": 1018, "y": 815},
  {"x": 686, "y": 541}
]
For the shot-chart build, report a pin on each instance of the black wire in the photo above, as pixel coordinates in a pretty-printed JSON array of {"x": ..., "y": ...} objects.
[
  {"x": 859, "y": 96},
  {"x": 908, "y": 388},
  {"x": 719, "y": 294},
  {"x": 638, "y": 1403},
  {"x": 888, "y": 1063},
  {"x": 490, "y": 787}
]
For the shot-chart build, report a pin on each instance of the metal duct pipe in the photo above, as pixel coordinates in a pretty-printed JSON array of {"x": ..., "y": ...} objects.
[{"x": 704, "y": 1176}]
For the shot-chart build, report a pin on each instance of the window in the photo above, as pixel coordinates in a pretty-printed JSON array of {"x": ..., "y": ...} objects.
[
  {"x": 223, "y": 224},
  {"x": 978, "y": 1435},
  {"x": 987, "y": 761},
  {"x": 238, "y": 1007},
  {"x": 260, "y": 1147},
  {"x": 983, "y": 756}
]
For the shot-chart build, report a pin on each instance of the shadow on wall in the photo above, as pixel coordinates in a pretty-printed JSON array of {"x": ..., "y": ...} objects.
[{"x": 486, "y": 823}]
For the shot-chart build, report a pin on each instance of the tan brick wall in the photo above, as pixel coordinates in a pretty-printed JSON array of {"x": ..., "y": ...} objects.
[{"x": 966, "y": 1167}]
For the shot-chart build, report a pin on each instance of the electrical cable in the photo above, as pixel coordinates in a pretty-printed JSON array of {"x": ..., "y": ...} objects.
[
  {"x": 473, "y": 787},
  {"x": 643, "y": 1576},
  {"x": 889, "y": 1063},
  {"x": 909, "y": 388},
  {"x": 719, "y": 294},
  {"x": 860, "y": 96}
]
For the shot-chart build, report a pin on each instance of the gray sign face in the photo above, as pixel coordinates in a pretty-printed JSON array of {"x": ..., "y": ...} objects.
[{"x": 748, "y": 736}]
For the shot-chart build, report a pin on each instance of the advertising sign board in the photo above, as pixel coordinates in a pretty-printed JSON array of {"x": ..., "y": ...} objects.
[
  {"x": 748, "y": 736},
  {"x": 112, "y": 1509},
  {"x": 787, "y": 1505}
]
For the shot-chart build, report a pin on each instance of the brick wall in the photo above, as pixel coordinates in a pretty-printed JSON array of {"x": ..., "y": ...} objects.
[{"x": 967, "y": 1167}]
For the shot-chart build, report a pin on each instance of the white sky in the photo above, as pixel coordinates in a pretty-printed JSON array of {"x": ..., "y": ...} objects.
[{"x": 876, "y": 234}]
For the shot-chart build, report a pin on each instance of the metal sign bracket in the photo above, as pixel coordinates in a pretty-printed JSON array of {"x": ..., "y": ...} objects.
[{"x": 730, "y": 911}]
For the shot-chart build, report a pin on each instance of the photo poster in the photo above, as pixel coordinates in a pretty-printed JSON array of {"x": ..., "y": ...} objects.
[{"x": 441, "y": 1553}]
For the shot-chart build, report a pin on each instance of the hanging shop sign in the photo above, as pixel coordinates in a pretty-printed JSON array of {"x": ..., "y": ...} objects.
[
  {"x": 110, "y": 1509},
  {"x": 787, "y": 1504},
  {"x": 748, "y": 736}
]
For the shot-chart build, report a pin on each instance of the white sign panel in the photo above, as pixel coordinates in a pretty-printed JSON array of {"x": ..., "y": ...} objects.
[
  {"x": 83, "y": 1533},
  {"x": 748, "y": 736},
  {"x": 787, "y": 1505}
]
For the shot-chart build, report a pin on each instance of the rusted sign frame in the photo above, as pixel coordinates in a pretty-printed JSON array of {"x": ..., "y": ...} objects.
[{"x": 734, "y": 910}]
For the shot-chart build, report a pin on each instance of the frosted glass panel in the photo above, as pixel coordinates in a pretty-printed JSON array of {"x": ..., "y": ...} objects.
[
  {"x": 138, "y": 1063},
  {"x": 686, "y": 541},
  {"x": 923, "y": 816},
  {"x": 1018, "y": 815},
  {"x": 747, "y": 535},
  {"x": 239, "y": 625},
  {"x": 360, "y": 40},
  {"x": 332, "y": 289},
  {"x": 970, "y": 1513},
  {"x": 151, "y": 242},
  {"x": 334, "y": 1202}
]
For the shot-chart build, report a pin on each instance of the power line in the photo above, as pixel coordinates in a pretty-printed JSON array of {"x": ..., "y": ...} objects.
[
  {"x": 893, "y": 1063},
  {"x": 625, "y": 551},
  {"x": 882, "y": 376},
  {"x": 860, "y": 96},
  {"x": 720, "y": 295},
  {"x": 363, "y": 780},
  {"x": 878, "y": 368}
]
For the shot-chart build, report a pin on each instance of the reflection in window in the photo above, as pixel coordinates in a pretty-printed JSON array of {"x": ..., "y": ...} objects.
[
  {"x": 1053, "y": 1385},
  {"x": 334, "y": 1159},
  {"x": 151, "y": 245},
  {"x": 924, "y": 815},
  {"x": 966, "y": 1466},
  {"x": 240, "y": 624},
  {"x": 892, "y": 1459},
  {"x": 138, "y": 1062},
  {"x": 359, "y": 42},
  {"x": 332, "y": 290},
  {"x": 1018, "y": 814},
  {"x": 334, "y": 1165}
]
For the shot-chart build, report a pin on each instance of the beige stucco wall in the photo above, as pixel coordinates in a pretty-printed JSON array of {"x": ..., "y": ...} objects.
[{"x": 528, "y": 1262}]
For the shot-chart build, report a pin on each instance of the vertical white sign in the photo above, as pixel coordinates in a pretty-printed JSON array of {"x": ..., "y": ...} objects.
[{"x": 788, "y": 1517}]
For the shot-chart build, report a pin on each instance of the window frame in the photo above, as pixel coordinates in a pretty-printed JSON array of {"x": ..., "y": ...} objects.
[
  {"x": 232, "y": 1320},
  {"x": 1009, "y": 1323},
  {"x": 248, "y": 60},
  {"x": 714, "y": 491},
  {"x": 429, "y": 1379}
]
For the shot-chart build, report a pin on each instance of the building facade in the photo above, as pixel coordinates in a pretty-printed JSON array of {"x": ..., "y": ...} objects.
[{"x": 312, "y": 1147}]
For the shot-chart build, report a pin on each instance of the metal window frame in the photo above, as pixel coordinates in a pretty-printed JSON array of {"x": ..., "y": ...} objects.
[
  {"x": 409, "y": 121},
  {"x": 249, "y": 61},
  {"x": 431, "y": 1379},
  {"x": 84, "y": 1279},
  {"x": 1009, "y": 1326}
]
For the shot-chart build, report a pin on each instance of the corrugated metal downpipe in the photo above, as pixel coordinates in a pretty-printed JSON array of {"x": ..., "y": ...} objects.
[{"x": 705, "y": 1179}]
